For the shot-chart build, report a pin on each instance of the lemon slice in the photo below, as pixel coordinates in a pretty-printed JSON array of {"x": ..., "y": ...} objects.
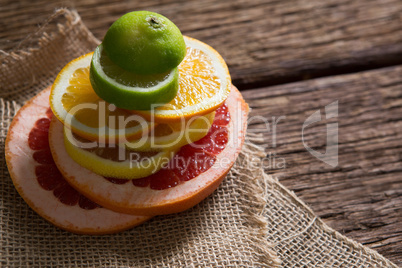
[
  {"x": 175, "y": 135},
  {"x": 114, "y": 162}
]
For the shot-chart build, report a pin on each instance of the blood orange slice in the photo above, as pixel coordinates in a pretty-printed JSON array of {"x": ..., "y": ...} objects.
[
  {"x": 197, "y": 169},
  {"x": 42, "y": 186}
]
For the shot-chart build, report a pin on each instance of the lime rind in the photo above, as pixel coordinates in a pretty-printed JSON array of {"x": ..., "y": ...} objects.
[
  {"x": 121, "y": 88},
  {"x": 145, "y": 42},
  {"x": 70, "y": 121}
]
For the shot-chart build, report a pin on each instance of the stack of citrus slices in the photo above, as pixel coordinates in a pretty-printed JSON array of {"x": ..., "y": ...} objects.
[{"x": 108, "y": 147}]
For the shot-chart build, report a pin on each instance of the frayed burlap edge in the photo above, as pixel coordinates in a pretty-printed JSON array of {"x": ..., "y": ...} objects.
[
  {"x": 249, "y": 175},
  {"x": 323, "y": 226},
  {"x": 16, "y": 93},
  {"x": 253, "y": 206},
  {"x": 43, "y": 36},
  {"x": 21, "y": 86},
  {"x": 270, "y": 185}
]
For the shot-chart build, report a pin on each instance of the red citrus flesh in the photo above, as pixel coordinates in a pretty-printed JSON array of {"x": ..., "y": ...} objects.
[
  {"x": 41, "y": 184},
  {"x": 191, "y": 160},
  {"x": 172, "y": 189},
  {"x": 47, "y": 174}
]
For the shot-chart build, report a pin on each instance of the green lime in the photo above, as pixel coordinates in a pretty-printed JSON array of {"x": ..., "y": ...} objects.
[
  {"x": 145, "y": 42},
  {"x": 129, "y": 90}
]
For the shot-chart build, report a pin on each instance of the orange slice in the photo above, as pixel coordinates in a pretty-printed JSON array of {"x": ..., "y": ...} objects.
[
  {"x": 41, "y": 185},
  {"x": 204, "y": 84},
  {"x": 77, "y": 106}
]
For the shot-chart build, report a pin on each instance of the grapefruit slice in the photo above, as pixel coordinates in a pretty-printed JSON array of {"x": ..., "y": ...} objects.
[
  {"x": 42, "y": 186},
  {"x": 200, "y": 168},
  {"x": 121, "y": 161}
]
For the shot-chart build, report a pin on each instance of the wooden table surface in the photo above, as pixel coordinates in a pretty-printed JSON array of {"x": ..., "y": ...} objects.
[{"x": 290, "y": 59}]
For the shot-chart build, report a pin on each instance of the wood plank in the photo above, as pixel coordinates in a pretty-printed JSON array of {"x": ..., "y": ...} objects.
[
  {"x": 264, "y": 42},
  {"x": 362, "y": 196},
  {"x": 268, "y": 42}
]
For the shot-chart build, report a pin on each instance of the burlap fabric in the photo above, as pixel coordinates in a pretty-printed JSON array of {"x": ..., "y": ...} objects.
[{"x": 250, "y": 221}]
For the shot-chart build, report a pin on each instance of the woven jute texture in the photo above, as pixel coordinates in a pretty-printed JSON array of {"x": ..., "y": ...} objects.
[{"x": 250, "y": 221}]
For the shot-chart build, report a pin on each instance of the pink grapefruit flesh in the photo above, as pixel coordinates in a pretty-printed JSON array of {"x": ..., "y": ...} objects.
[
  {"x": 42, "y": 186},
  {"x": 191, "y": 160},
  {"x": 176, "y": 187}
]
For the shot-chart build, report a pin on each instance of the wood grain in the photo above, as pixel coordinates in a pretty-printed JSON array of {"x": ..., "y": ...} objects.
[
  {"x": 362, "y": 196},
  {"x": 264, "y": 42},
  {"x": 267, "y": 42}
]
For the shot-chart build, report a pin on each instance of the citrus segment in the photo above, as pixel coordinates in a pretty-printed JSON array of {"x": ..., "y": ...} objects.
[
  {"x": 176, "y": 193},
  {"x": 128, "y": 90},
  {"x": 112, "y": 160},
  {"x": 204, "y": 84},
  {"x": 77, "y": 106},
  {"x": 145, "y": 42},
  {"x": 47, "y": 174},
  {"x": 42, "y": 186},
  {"x": 175, "y": 135},
  {"x": 192, "y": 159}
]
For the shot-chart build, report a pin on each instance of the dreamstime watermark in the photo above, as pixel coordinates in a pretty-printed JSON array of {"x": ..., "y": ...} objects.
[{"x": 152, "y": 139}]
